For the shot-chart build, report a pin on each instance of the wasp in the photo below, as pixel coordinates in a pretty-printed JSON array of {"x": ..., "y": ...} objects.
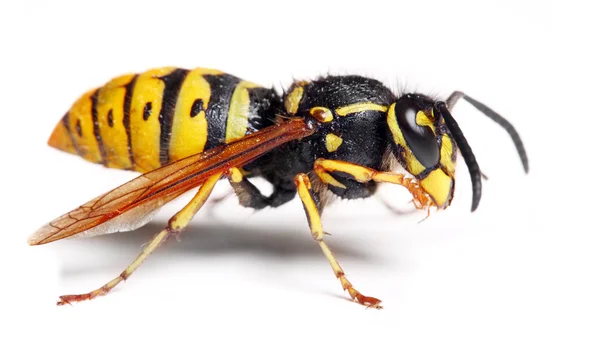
[{"x": 187, "y": 129}]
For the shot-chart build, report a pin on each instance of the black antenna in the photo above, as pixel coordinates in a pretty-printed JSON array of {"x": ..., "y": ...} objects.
[
  {"x": 465, "y": 150},
  {"x": 506, "y": 125}
]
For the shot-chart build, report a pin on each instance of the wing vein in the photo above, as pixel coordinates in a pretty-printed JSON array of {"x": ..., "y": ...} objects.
[{"x": 160, "y": 186}]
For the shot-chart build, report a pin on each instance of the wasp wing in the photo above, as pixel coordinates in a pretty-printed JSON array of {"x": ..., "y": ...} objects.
[{"x": 134, "y": 202}]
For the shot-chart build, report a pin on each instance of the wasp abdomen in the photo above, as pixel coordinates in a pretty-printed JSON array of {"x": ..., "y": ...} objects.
[{"x": 143, "y": 121}]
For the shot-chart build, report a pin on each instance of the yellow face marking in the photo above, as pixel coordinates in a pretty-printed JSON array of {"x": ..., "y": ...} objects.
[
  {"x": 322, "y": 114},
  {"x": 446, "y": 155},
  {"x": 80, "y": 120},
  {"x": 292, "y": 100},
  {"x": 239, "y": 108},
  {"x": 438, "y": 185},
  {"x": 423, "y": 120},
  {"x": 189, "y": 133},
  {"x": 111, "y": 99},
  {"x": 393, "y": 126},
  {"x": 412, "y": 164},
  {"x": 145, "y": 132},
  {"x": 359, "y": 107},
  {"x": 332, "y": 142}
]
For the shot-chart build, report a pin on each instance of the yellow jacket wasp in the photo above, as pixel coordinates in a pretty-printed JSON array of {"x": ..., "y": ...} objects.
[{"x": 185, "y": 129}]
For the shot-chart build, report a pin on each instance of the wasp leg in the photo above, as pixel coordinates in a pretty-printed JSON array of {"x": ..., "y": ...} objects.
[
  {"x": 311, "y": 208},
  {"x": 176, "y": 225},
  {"x": 323, "y": 168},
  {"x": 251, "y": 197}
]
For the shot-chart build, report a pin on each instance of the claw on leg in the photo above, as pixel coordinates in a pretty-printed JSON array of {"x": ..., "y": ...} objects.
[
  {"x": 69, "y": 299},
  {"x": 369, "y": 302}
]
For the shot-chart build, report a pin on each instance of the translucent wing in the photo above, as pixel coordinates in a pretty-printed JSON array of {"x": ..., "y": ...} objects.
[{"x": 134, "y": 202}]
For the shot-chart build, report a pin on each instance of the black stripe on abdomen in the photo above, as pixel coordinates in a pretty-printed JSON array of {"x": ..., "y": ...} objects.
[
  {"x": 65, "y": 122},
  {"x": 173, "y": 83},
  {"x": 221, "y": 90},
  {"x": 127, "y": 117},
  {"x": 97, "y": 135}
]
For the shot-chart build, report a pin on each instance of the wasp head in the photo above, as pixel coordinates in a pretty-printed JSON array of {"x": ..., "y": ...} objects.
[{"x": 423, "y": 145}]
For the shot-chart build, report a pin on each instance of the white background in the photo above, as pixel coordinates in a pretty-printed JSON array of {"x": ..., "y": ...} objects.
[{"x": 520, "y": 274}]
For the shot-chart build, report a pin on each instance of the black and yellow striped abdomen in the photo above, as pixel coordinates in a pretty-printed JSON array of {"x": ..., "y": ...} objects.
[{"x": 143, "y": 121}]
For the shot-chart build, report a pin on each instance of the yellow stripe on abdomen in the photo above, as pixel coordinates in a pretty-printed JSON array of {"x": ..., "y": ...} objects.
[
  {"x": 143, "y": 121},
  {"x": 189, "y": 132},
  {"x": 110, "y": 105},
  {"x": 239, "y": 108},
  {"x": 81, "y": 128},
  {"x": 144, "y": 124}
]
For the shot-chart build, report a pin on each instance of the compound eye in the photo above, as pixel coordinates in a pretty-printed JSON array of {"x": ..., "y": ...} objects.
[{"x": 420, "y": 139}]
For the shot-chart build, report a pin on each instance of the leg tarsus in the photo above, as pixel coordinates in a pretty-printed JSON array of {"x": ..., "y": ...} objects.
[
  {"x": 69, "y": 299},
  {"x": 369, "y": 302}
]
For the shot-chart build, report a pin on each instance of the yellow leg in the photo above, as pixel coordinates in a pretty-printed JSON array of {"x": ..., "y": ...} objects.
[
  {"x": 234, "y": 175},
  {"x": 312, "y": 213},
  {"x": 324, "y": 167},
  {"x": 176, "y": 225}
]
